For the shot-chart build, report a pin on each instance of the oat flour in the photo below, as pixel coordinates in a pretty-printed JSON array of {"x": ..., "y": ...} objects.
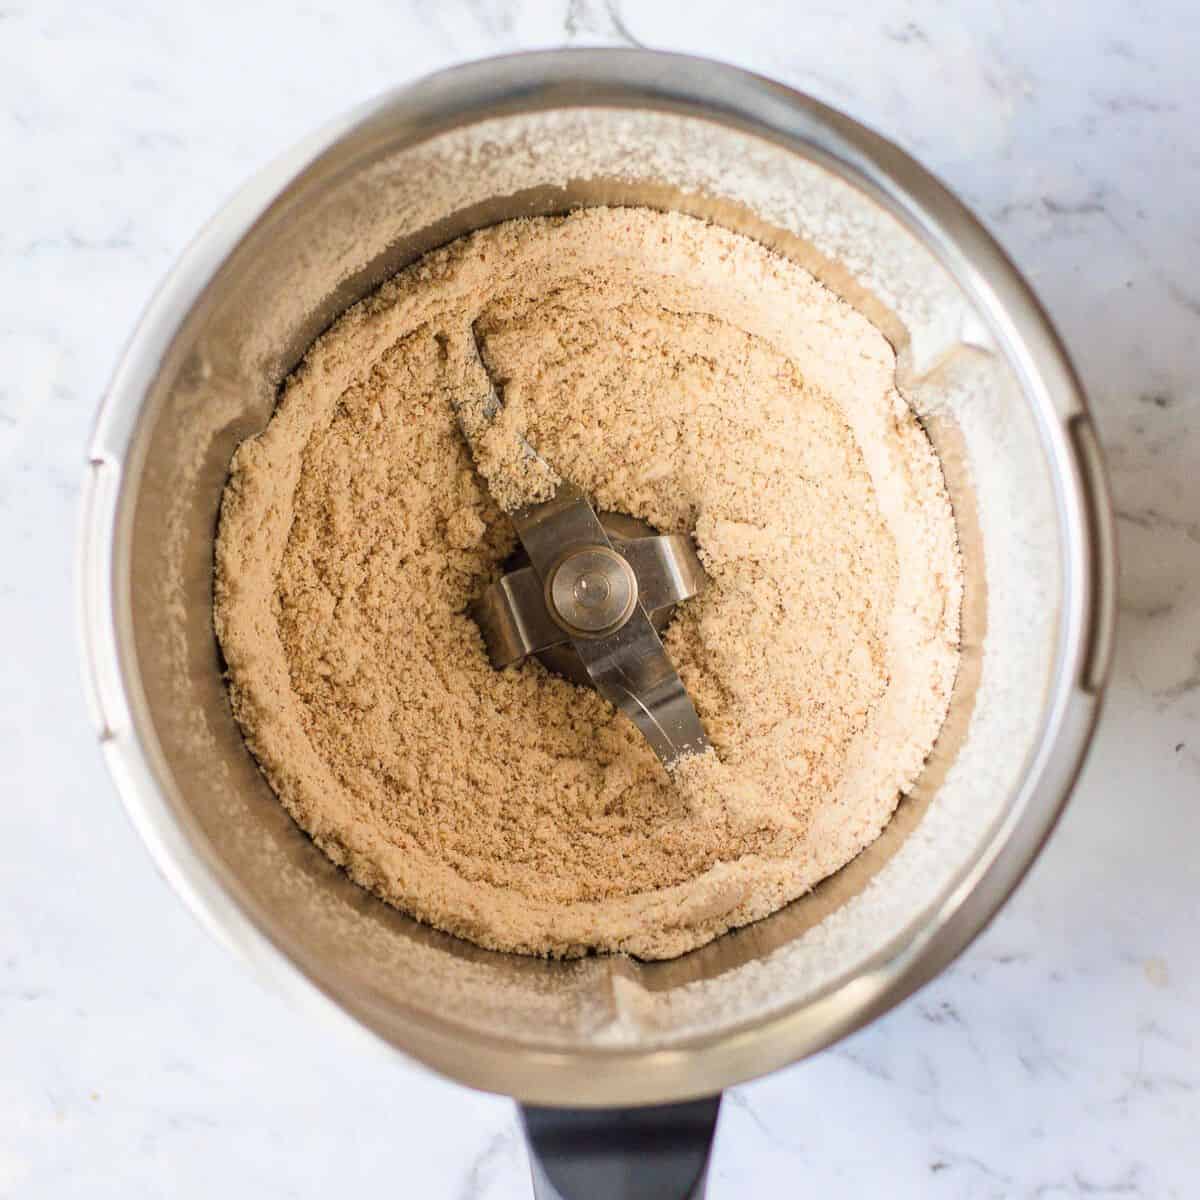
[{"x": 686, "y": 376}]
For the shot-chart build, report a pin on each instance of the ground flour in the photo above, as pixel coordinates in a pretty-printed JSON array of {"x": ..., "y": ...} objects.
[{"x": 681, "y": 374}]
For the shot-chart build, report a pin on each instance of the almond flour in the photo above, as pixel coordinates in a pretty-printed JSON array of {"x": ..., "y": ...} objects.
[{"x": 681, "y": 374}]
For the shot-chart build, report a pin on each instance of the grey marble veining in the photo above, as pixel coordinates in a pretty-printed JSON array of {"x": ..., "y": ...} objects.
[{"x": 1059, "y": 1058}]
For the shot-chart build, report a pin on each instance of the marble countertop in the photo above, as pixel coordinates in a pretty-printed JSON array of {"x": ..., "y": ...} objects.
[{"x": 1059, "y": 1058}]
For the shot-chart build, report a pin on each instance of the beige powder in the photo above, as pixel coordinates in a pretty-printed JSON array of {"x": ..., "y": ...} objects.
[{"x": 681, "y": 374}]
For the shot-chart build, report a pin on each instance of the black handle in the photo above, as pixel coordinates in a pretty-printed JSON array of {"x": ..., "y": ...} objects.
[{"x": 656, "y": 1153}]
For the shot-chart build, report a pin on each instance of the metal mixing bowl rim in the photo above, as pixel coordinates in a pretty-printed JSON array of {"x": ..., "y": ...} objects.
[{"x": 761, "y": 107}]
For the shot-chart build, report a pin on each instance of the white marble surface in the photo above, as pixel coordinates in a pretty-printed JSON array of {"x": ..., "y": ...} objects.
[{"x": 1059, "y": 1058}]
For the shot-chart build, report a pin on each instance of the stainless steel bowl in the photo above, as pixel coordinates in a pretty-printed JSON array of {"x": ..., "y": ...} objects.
[{"x": 979, "y": 362}]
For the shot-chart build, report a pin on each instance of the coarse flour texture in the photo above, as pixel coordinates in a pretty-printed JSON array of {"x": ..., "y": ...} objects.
[{"x": 681, "y": 374}]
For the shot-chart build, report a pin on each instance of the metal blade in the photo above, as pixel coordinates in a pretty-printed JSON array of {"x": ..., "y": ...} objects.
[
  {"x": 630, "y": 667},
  {"x": 516, "y": 623}
]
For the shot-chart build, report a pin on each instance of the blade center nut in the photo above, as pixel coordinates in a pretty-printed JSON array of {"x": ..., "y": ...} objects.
[{"x": 591, "y": 592}]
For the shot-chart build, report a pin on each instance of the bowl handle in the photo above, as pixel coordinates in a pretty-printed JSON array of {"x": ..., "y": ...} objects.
[{"x": 658, "y": 1153}]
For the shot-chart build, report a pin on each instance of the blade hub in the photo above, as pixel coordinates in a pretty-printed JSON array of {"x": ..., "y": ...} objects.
[{"x": 592, "y": 591}]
